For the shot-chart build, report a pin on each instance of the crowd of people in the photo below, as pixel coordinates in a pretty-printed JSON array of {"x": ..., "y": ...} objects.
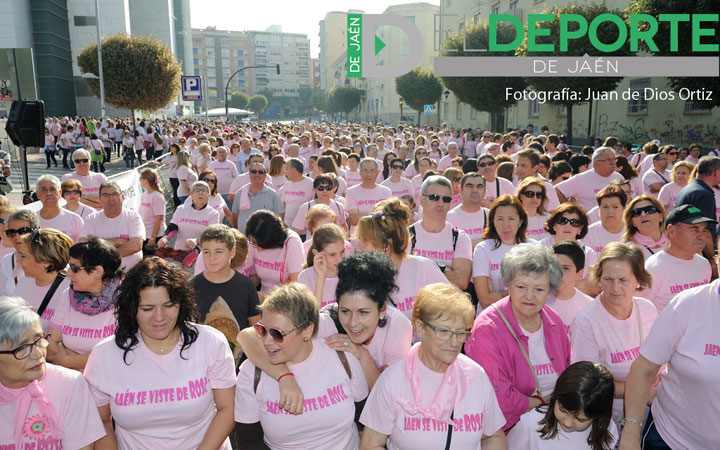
[{"x": 345, "y": 286}]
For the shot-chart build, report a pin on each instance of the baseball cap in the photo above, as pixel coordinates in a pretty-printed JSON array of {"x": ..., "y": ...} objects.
[{"x": 686, "y": 214}]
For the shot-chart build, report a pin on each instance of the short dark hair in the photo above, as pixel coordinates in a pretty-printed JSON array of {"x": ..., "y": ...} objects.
[
  {"x": 572, "y": 250},
  {"x": 370, "y": 273},
  {"x": 267, "y": 229},
  {"x": 570, "y": 208},
  {"x": 98, "y": 252},
  {"x": 559, "y": 168},
  {"x": 577, "y": 161}
]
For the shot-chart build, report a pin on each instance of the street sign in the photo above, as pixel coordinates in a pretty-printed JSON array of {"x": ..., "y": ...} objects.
[
  {"x": 191, "y": 88},
  {"x": 428, "y": 109},
  {"x": 5, "y": 95}
]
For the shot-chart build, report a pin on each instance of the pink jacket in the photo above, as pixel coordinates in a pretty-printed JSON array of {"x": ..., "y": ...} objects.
[{"x": 492, "y": 346}]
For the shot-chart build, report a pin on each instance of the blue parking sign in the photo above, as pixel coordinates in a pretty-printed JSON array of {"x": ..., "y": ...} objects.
[{"x": 191, "y": 88}]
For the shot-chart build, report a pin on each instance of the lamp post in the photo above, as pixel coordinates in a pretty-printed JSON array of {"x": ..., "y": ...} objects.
[
  {"x": 400, "y": 101},
  {"x": 446, "y": 94},
  {"x": 100, "y": 64},
  {"x": 227, "y": 85}
]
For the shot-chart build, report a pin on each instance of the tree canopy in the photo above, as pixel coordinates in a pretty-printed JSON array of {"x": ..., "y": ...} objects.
[
  {"x": 239, "y": 100},
  {"x": 257, "y": 103},
  {"x": 344, "y": 99},
  {"x": 419, "y": 87}
]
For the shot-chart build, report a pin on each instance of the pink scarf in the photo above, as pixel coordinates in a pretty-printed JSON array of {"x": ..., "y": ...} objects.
[
  {"x": 647, "y": 241},
  {"x": 244, "y": 197},
  {"x": 23, "y": 397},
  {"x": 453, "y": 387}
]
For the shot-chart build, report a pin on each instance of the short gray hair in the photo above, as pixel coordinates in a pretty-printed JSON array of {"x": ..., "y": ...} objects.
[
  {"x": 369, "y": 160},
  {"x": 453, "y": 143},
  {"x": 16, "y": 318},
  {"x": 27, "y": 215},
  {"x": 597, "y": 154},
  {"x": 707, "y": 165},
  {"x": 47, "y": 177},
  {"x": 296, "y": 164},
  {"x": 435, "y": 179},
  {"x": 109, "y": 183},
  {"x": 533, "y": 259},
  {"x": 200, "y": 183},
  {"x": 80, "y": 151}
]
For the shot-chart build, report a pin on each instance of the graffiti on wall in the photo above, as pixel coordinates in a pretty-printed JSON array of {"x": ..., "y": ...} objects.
[{"x": 675, "y": 129}]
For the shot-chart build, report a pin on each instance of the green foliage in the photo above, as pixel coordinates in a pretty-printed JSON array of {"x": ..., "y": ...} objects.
[
  {"x": 657, "y": 7},
  {"x": 138, "y": 72},
  {"x": 320, "y": 101},
  {"x": 239, "y": 100},
  {"x": 419, "y": 87},
  {"x": 344, "y": 99},
  {"x": 482, "y": 93},
  {"x": 258, "y": 103}
]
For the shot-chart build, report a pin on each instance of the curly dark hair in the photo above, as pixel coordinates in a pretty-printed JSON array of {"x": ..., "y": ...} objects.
[
  {"x": 267, "y": 229},
  {"x": 372, "y": 273},
  {"x": 148, "y": 273}
]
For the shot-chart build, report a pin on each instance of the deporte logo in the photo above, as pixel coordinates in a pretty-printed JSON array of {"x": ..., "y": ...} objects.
[{"x": 363, "y": 44}]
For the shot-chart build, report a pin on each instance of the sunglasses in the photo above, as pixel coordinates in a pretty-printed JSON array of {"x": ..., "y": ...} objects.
[
  {"x": 649, "y": 209},
  {"x": 78, "y": 161},
  {"x": 209, "y": 180},
  {"x": 277, "y": 335},
  {"x": 421, "y": 153},
  {"x": 200, "y": 190},
  {"x": 436, "y": 197},
  {"x": 457, "y": 179},
  {"x": 324, "y": 188},
  {"x": 573, "y": 222},
  {"x": 11, "y": 233},
  {"x": 398, "y": 166},
  {"x": 257, "y": 172},
  {"x": 673, "y": 153},
  {"x": 77, "y": 269},
  {"x": 533, "y": 194},
  {"x": 74, "y": 191},
  {"x": 485, "y": 164}
]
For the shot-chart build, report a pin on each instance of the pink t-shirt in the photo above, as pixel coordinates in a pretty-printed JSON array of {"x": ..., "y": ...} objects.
[
  {"x": 414, "y": 273},
  {"x": 598, "y": 237},
  {"x": 83, "y": 211},
  {"x": 653, "y": 176},
  {"x": 686, "y": 336},
  {"x": 274, "y": 266},
  {"x": 536, "y": 227},
  {"x": 417, "y": 182},
  {"x": 584, "y": 186},
  {"x": 90, "y": 183},
  {"x": 486, "y": 262},
  {"x": 293, "y": 194},
  {"x": 353, "y": 178},
  {"x": 335, "y": 206},
  {"x": 403, "y": 187},
  {"x": 388, "y": 345},
  {"x": 473, "y": 224},
  {"x": 524, "y": 435},
  {"x": 67, "y": 221},
  {"x": 327, "y": 419},
  {"x": 34, "y": 295},
  {"x": 162, "y": 401},
  {"x": 192, "y": 222},
  {"x": 74, "y": 408},
  {"x": 671, "y": 276},
  {"x": 190, "y": 176},
  {"x": 668, "y": 194},
  {"x": 127, "y": 225},
  {"x": 568, "y": 309},
  {"x": 500, "y": 186},
  {"x": 597, "y": 336},
  {"x": 215, "y": 202},
  {"x": 226, "y": 171},
  {"x": 476, "y": 414},
  {"x": 308, "y": 277},
  {"x": 439, "y": 246},
  {"x": 81, "y": 332},
  {"x": 152, "y": 204},
  {"x": 363, "y": 200}
]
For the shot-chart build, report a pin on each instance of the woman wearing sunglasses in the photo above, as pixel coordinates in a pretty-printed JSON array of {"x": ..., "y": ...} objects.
[
  {"x": 163, "y": 380},
  {"x": 215, "y": 200},
  {"x": 331, "y": 381},
  {"x": 454, "y": 174},
  {"x": 435, "y": 384},
  {"x": 86, "y": 316},
  {"x": 532, "y": 194},
  {"x": 41, "y": 405},
  {"x": 644, "y": 219},
  {"x": 413, "y": 169},
  {"x": 19, "y": 223},
  {"x": 90, "y": 181},
  {"x": 398, "y": 184},
  {"x": 72, "y": 192},
  {"x": 323, "y": 187},
  {"x": 326, "y": 165}
]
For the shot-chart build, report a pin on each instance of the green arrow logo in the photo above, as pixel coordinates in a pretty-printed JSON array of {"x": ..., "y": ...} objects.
[{"x": 379, "y": 44}]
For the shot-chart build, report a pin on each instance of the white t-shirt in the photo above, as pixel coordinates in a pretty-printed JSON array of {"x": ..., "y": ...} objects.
[
  {"x": 473, "y": 224},
  {"x": 584, "y": 186},
  {"x": 226, "y": 171},
  {"x": 486, "y": 262},
  {"x": 403, "y": 187},
  {"x": 162, "y": 401},
  {"x": 357, "y": 197},
  {"x": 598, "y": 237},
  {"x": 671, "y": 276},
  {"x": 500, "y": 186},
  {"x": 524, "y": 435},
  {"x": 414, "y": 273},
  {"x": 293, "y": 194},
  {"x": 152, "y": 204},
  {"x": 67, "y": 222},
  {"x": 544, "y": 370},
  {"x": 439, "y": 246},
  {"x": 668, "y": 194},
  {"x": 568, "y": 309},
  {"x": 34, "y": 295},
  {"x": 185, "y": 173},
  {"x": 128, "y": 224}
]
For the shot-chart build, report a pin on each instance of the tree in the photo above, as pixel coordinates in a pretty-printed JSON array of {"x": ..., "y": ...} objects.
[
  {"x": 580, "y": 47},
  {"x": 418, "y": 88},
  {"x": 684, "y": 31},
  {"x": 138, "y": 72},
  {"x": 344, "y": 99},
  {"x": 483, "y": 93},
  {"x": 258, "y": 103},
  {"x": 305, "y": 99},
  {"x": 239, "y": 100},
  {"x": 320, "y": 101}
]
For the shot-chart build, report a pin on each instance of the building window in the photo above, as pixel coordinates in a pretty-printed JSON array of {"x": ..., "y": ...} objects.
[
  {"x": 241, "y": 53},
  {"x": 209, "y": 42},
  {"x": 211, "y": 62},
  {"x": 224, "y": 43},
  {"x": 561, "y": 110},
  {"x": 694, "y": 108},
  {"x": 533, "y": 108},
  {"x": 496, "y": 8},
  {"x": 639, "y": 106},
  {"x": 514, "y": 5},
  {"x": 196, "y": 51},
  {"x": 241, "y": 83},
  {"x": 210, "y": 52},
  {"x": 212, "y": 82},
  {"x": 473, "y": 113},
  {"x": 458, "y": 111},
  {"x": 405, "y": 48},
  {"x": 225, "y": 53},
  {"x": 412, "y": 18},
  {"x": 196, "y": 61},
  {"x": 225, "y": 62},
  {"x": 197, "y": 72}
]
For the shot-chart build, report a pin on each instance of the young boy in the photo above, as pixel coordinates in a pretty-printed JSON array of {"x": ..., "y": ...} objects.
[{"x": 567, "y": 301}]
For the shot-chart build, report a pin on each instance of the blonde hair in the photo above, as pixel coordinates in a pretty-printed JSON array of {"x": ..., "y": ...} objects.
[
  {"x": 387, "y": 222},
  {"x": 296, "y": 302},
  {"x": 631, "y": 229},
  {"x": 51, "y": 246},
  {"x": 686, "y": 164},
  {"x": 151, "y": 176},
  {"x": 317, "y": 212},
  {"x": 183, "y": 159},
  {"x": 70, "y": 184},
  {"x": 441, "y": 299},
  {"x": 532, "y": 181}
]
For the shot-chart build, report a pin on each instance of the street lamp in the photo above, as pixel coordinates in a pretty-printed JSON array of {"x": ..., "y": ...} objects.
[
  {"x": 400, "y": 101},
  {"x": 446, "y": 94},
  {"x": 100, "y": 64},
  {"x": 227, "y": 85}
]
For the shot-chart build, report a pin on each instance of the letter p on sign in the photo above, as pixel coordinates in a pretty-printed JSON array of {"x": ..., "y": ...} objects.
[{"x": 191, "y": 88}]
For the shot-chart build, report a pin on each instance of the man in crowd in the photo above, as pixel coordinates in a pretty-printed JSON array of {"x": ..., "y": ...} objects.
[
  {"x": 253, "y": 197},
  {"x": 583, "y": 187},
  {"x": 297, "y": 190},
  {"x": 469, "y": 215},
  {"x": 361, "y": 198}
]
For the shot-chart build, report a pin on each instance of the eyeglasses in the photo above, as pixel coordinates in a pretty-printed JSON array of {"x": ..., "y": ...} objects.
[
  {"x": 673, "y": 153},
  {"x": 573, "y": 222},
  {"x": 11, "y": 233},
  {"x": 485, "y": 164},
  {"x": 421, "y": 153},
  {"x": 257, "y": 172},
  {"x": 397, "y": 166},
  {"x": 77, "y": 269},
  {"x": 209, "y": 180},
  {"x": 533, "y": 194},
  {"x": 78, "y": 161},
  {"x": 114, "y": 195},
  {"x": 649, "y": 209},
  {"x": 26, "y": 350},
  {"x": 200, "y": 190},
  {"x": 35, "y": 237},
  {"x": 324, "y": 188},
  {"x": 457, "y": 179},
  {"x": 436, "y": 197},
  {"x": 277, "y": 335},
  {"x": 74, "y": 192},
  {"x": 445, "y": 335}
]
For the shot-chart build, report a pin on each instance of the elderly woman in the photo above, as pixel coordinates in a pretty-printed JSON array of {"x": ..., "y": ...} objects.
[
  {"x": 90, "y": 181},
  {"x": 215, "y": 200},
  {"x": 95, "y": 275},
  {"x": 331, "y": 381},
  {"x": 611, "y": 203},
  {"x": 532, "y": 194},
  {"x": 189, "y": 221},
  {"x": 611, "y": 329},
  {"x": 644, "y": 217},
  {"x": 683, "y": 415},
  {"x": 41, "y": 405},
  {"x": 182, "y": 373},
  {"x": 435, "y": 384},
  {"x": 680, "y": 176},
  {"x": 521, "y": 342},
  {"x": 51, "y": 214},
  {"x": 19, "y": 223},
  {"x": 323, "y": 186},
  {"x": 72, "y": 191}
]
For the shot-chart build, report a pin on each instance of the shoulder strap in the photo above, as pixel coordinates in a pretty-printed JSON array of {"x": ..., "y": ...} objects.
[
  {"x": 256, "y": 378},
  {"x": 450, "y": 428},
  {"x": 639, "y": 321},
  {"x": 345, "y": 363},
  {"x": 522, "y": 349},
  {"x": 497, "y": 187},
  {"x": 413, "y": 238},
  {"x": 49, "y": 294},
  {"x": 336, "y": 320},
  {"x": 455, "y": 235},
  {"x": 485, "y": 218}
]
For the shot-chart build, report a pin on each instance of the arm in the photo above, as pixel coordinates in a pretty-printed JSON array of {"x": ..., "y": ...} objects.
[
  {"x": 129, "y": 246},
  {"x": 355, "y": 216},
  {"x": 459, "y": 275},
  {"x": 655, "y": 187},
  {"x": 639, "y": 381},
  {"x": 370, "y": 369},
  {"x": 495, "y": 442},
  {"x": 91, "y": 200},
  {"x": 108, "y": 442},
  {"x": 486, "y": 296},
  {"x": 155, "y": 229},
  {"x": 234, "y": 220},
  {"x": 223, "y": 422},
  {"x": 561, "y": 196},
  {"x": 372, "y": 440}
]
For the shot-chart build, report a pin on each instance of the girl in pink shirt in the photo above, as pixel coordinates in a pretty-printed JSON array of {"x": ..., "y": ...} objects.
[
  {"x": 185, "y": 174},
  {"x": 152, "y": 206},
  {"x": 323, "y": 187},
  {"x": 398, "y": 185},
  {"x": 165, "y": 382},
  {"x": 323, "y": 257}
]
